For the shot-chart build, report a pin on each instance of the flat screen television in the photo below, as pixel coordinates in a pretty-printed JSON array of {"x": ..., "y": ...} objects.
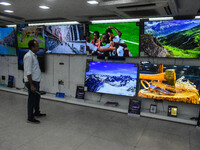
[
  {"x": 7, "y": 41},
  {"x": 111, "y": 78},
  {"x": 65, "y": 39},
  {"x": 26, "y": 33},
  {"x": 124, "y": 39},
  {"x": 169, "y": 82},
  {"x": 40, "y": 55},
  {"x": 174, "y": 38}
]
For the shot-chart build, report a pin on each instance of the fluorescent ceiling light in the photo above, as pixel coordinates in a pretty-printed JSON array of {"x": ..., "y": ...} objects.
[
  {"x": 197, "y": 17},
  {"x": 5, "y": 3},
  {"x": 14, "y": 26},
  {"x": 54, "y": 23},
  {"x": 9, "y": 11},
  {"x": 115, "y": 21},
  {"x": 92, "y": 2},
  {"x": 44, "y": 7},
  {"x": 161, "y": 18}
]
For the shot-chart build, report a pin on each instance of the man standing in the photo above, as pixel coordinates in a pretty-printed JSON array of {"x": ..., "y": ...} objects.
[{"x": 32, "y": 78}]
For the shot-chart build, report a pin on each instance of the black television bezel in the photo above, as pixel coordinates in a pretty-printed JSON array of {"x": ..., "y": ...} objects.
[
  {"x": 65, "y": 53},
  {"x": 43, "y": 69},
  {"x": 137, "y": 81},
  {"x": 15, "y": 32},
  {"x": 142, "y": 32}
]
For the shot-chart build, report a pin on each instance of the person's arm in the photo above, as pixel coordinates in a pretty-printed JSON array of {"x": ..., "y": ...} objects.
[
  {"x": 116, "y": 30},
  {"x": 115, "y": 44},
  {"x": 106, "y": 49},
  {"x": 123, "y": 45},
  {"x": 33, "y": 89}
]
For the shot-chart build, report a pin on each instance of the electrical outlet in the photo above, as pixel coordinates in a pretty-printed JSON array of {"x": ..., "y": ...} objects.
[{"x": 60, "y": 82}]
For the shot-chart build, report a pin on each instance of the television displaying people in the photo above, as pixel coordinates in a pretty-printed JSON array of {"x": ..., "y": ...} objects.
[{"x": 110, "y": 41}]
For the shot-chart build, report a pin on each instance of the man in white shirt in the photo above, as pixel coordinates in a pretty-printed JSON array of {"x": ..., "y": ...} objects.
[{"x": 32, "y": 78}]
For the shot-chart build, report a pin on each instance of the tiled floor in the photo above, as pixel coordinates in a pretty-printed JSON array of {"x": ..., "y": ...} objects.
[{"x": 73, "y": 127}]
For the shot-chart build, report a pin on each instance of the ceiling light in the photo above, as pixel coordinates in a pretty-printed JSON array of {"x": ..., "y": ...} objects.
[
  {"x": 54, "y": 23},
  {"x": 44, "y": 7},
  {"x": 5, "y": 3},
  {"x": 114, "y": 21},
  {"x": 161, "y": 18},
  {"x": 197, "y": 17},
  {"x": 9, "y": 11},
  {"x": 92, "y": 2}
]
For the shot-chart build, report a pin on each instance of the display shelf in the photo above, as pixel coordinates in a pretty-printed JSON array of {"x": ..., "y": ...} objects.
[
  {"x": 100, "y": 105},
  {"x": 163, "y": 115},
  {"x": 71, "y": 100}
]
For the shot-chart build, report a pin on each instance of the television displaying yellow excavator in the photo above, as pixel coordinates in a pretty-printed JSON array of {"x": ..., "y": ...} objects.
[{"x": 169, "y": 82}]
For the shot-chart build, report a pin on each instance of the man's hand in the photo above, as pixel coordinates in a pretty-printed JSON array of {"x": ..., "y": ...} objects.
[{"x": 33, "y": 89}]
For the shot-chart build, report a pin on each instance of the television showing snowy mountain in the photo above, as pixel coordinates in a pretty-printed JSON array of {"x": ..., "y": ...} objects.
[{"x": 112, "y": 78}]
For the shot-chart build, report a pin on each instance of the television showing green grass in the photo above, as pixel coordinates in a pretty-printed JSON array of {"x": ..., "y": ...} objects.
[
  {"x": 129, "y": 30},
  {"x": 177, "y": 38},
  {"x": 25, "y": 34}
]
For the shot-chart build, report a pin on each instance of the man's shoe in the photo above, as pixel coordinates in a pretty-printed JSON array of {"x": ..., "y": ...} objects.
[
  {"x": 40, "y": 115},
  {"x": 34, "y": 121}
]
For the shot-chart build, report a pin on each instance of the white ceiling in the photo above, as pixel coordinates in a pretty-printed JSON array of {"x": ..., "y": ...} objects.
[{"x": 28, "y": 11}]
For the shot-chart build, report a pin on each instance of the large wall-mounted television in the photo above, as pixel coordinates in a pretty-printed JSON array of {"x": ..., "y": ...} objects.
[
  {"x": 169, "y": 82},
  {"x": 40, "y": 56},
  {"x": 7, "y": 41},
  {"x": 174, "y": 39},
  {"x": 111, "y": 78},
  {"x": 123, "y": 42},
  {"x": 65, "y": 39},
  {"x": 26, "y": 33}
]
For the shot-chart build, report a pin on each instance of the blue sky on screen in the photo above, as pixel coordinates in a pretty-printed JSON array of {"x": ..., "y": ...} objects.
[
  {"x": 5, "y": 31},
  {"x": 162, "y": 28}
]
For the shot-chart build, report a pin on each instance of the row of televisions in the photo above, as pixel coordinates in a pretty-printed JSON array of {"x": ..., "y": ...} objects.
[
  {"x": 173, "y": 39},
  {"x": 146, "y": 80}
]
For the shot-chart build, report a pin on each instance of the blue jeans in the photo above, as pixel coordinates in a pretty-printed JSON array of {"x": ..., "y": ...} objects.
[{"x": 33, "y": 100}]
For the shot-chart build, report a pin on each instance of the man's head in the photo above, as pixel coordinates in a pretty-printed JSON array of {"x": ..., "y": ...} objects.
[
  {"x": 110, "y": 33},
  {"x": 33, "y": 46},
  {"x": 105, "y": 38},
  {"x": 96, "y": 35}
]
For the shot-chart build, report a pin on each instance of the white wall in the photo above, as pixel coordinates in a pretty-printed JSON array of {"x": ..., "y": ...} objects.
[{"x": 73, "y": 74}]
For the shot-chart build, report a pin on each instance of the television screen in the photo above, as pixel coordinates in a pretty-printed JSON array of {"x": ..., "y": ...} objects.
[
  {"x": 40, "y": 55},
  {"x": 27, "y": 33},
  {"x": 112, "y": 78},
  {"x": 114, "y": 39},
  {"x": 65, "y": 39},
  {"x": 7, "y": 41},
  {"x": 170, "y": 82},
  {"x": 175, "y": 38}
]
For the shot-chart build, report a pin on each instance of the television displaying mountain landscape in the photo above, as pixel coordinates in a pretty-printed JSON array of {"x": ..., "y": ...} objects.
[
  {"x": 111, "y": 78},
  {"x": 169, "y": 82},
  {"x": 174, "y": 38},
  {"x": 7, "y": 41},
  {"x": 126, "y": 45},
  {"x": 65, "y": 39}
]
